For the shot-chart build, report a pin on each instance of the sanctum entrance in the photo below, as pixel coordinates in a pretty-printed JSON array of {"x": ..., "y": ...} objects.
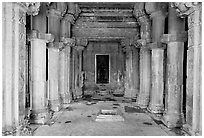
[{"x": 102, "y": 69}]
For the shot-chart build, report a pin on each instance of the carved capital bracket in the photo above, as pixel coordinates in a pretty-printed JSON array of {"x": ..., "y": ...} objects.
[
  {"x": 69, "y": 18},
  {"x": 56, "y": 45},
  {"x": 186, "y": 8},
  {"x": 34, "y": 34},
  {"x": 54, "y": 12},
  {"x": 181, "y": 37},
  {"x": 73, "y": 9},
  {"x": 156, "y": 45},
  {"x": 68, "y": 41},
  {"x": 156, "y": 9},
  {"x": 140, "y": 14},
  {"x": 32, "y": 8},
  {"x": 81, "y": 42},
  {"x": 79, "y": 48}
]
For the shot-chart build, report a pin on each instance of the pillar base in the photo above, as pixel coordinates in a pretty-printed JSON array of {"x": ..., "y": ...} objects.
[
  {"x": 156, "y": 108},
  {"x": 143, "y": 101},
  {"x": 40, "y": 117},
  {"x": 172, "y": 120},
  {"x": 130, "y": 93},
  {"x": 55, "y": 105}
]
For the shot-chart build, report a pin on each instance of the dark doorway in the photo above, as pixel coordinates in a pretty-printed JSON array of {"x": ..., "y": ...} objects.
[{"x": 102, "y": 68}]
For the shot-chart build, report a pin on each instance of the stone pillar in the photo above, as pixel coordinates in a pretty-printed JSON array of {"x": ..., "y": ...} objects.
[
  {"x": 66, "y": 96},
  {"x": 54, "y": 17},
  {"x": 38, "y": 75},
  {"x": 53, "y": 76},
  {"x": 145, "y": 55},
  {"x": 157, "y": 11},
  {"x": 73, "y": 70},
  {"x": 193, "y": 93},
  {"x": 173, "y": 116},
  {"x": 129, "y": 85},
  {"x": 13, "y": 65},
  {"x": 62, "y": 74},
  {"x": 145, "y": 77},
  {"x": 197, "y": 64},
  {"x": 79, "y": 83}
]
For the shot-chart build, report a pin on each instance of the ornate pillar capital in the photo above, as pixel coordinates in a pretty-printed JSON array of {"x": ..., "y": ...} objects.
[
  {"x": 69, "y": 18},
  {"x": 32, "y": 8},
  {"x": 185, "y": 8},
  {"x": 34, "y": 34},
  {"x": 73, "y": 9}
]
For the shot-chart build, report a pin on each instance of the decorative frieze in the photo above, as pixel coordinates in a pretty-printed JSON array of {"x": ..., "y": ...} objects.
[{"x": 179, "y": 37}]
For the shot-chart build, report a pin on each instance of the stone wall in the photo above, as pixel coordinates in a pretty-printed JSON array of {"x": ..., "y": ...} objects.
[{"x": 116, "y": 64}]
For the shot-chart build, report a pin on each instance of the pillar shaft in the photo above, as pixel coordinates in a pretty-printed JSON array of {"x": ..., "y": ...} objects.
[
  {"x": 156, "y": 97},
  {"x": 38, "y": 76},
  {"x": 129, "y": 85},
  {"x": 175, "y": 50},
  {"x": 14, "y": 65},
  {"x": 145, "y": 78},
  {"x": 53, "y": 77},
  {"x": 194, "y": 71},
  {"x": 54, "y": 17}
]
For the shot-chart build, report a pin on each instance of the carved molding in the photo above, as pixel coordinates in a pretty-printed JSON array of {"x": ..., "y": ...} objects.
[
  {"x": 181, "y": 37},
  {"x": 186, "y": 8},
  {"x": 32, "y": 8},
  {"x": 34, "y": 34}
]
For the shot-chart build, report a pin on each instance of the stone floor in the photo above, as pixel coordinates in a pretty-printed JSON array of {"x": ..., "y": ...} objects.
[{"x": 78, "y": 119}]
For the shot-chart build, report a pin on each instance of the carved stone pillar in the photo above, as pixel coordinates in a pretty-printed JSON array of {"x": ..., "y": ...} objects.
[
  {"x": 38, "y": 75},
  {"x": 157, "y": 11},
  {"x": 173, "y": 116},
  {"x": 145, "y": 55}
]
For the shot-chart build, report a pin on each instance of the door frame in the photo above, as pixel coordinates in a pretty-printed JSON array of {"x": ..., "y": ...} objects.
[{"x": 108, "y": 68}]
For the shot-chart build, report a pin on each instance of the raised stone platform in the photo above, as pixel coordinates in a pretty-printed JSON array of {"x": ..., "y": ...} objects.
[{"x": 109, "y": 115}]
